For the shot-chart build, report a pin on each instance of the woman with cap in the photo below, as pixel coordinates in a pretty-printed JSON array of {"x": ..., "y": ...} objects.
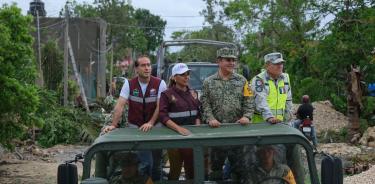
[{"x": 179, "y": 106}]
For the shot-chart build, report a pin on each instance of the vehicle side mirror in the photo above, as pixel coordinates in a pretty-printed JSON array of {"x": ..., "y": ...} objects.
[
  {"x": 332, "y": 172},
  {"x": 67, "y": 174},
  {"x": 95, "y": 181},
  {"x": 246, "y": 72}
]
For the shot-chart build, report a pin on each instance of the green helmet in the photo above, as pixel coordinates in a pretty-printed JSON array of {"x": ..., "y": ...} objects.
[{"x": 227, "y": 53}]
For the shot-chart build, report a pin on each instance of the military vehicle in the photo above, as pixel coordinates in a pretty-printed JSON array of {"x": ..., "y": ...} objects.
[{"x": 203, "y": 138}]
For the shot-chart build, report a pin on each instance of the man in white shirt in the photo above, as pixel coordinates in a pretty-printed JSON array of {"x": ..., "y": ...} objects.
[{"x": 142, "y": 94}]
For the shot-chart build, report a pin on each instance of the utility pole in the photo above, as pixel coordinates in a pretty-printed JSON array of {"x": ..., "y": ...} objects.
[
  {"x": 66, "y": 55},
  {"x": 103, "y": 60},
  {"x": 111, "y": 70},
  {"x": 78, "y": 76},
  {"x": 40, "y": 80}
]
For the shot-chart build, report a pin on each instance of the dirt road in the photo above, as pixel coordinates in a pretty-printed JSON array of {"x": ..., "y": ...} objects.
[{"x": 37, "y": 169}]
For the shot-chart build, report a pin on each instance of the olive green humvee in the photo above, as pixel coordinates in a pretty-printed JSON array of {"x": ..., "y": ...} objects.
[{"x": 202, "y": 137}]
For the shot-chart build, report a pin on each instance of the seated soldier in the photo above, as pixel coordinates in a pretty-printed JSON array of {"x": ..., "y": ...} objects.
[
  {"x": 129, "y": 173},
  {"x": 267, "y": 170}
]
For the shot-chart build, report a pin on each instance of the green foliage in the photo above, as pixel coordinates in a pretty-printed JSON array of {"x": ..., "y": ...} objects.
[
  {"x": 52, "y": 63},
  {"x": 363, "y": 125},
  {"x": 61, "y": 124},
  {"x": 130, "y": 28},
  {"x": 343, "y": 134},
  {"x": 338, "y": 103},
  {"x": 18, "y": 97},
  {"x": 317, "y": 55},
  {"x": 368, "y": 111},
  {"x": 73, "y": 90}
]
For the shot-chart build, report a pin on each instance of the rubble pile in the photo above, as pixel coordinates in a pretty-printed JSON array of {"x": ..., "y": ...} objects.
[
  {"x": 368, "y": 138},
  {"x": 341, "y": 150},
  {"x": 366, "y": 177},
  {"x": 326, "y": 117}
]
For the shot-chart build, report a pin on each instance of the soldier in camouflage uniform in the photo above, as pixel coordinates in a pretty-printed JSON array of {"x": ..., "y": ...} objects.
[
  {"x": 226, "y": 98},
  {"x": 128, "y": 171},
  {"x": 267, "y": 168}
]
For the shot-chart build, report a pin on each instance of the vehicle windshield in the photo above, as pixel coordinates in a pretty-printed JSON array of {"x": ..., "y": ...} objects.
[
  {"x": 229, "y": 154},
  {"x": 198, "y": 74},
  {"x": 251, "y": 164}
]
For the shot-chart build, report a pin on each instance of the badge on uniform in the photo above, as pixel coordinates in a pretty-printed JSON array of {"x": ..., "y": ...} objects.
[
  {"x": 258, "y": 82},
  {"x": 153, "y": 92},
  {"x": 136, "y": 92},
  {"x": 247, "y": 90},
  {"x": 282, "y": 90},
  {"x": 258, "y": 85}
]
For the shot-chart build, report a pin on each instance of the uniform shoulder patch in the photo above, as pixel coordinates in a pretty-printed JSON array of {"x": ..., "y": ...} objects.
[
  {"x": 259, "y": 85},
  {"x": 247, "y": 90},
  {"x": 259, "y": 82}
]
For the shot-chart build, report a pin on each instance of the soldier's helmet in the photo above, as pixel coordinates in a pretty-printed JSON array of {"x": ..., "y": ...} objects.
[{"x": 227, "y": 53}]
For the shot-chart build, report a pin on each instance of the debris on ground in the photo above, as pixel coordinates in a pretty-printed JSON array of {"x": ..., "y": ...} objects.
[
  {"x": 341, "y": 150},
  {"x": 367, "y": 177},
  {"x": 368, "y": 138},
  {"x": 33, "y": 165}
]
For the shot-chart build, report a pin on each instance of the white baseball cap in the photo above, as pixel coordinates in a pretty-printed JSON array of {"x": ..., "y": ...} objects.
[
  {"x": 179, "y": 68},
  {"x": 274, "y": 58}
]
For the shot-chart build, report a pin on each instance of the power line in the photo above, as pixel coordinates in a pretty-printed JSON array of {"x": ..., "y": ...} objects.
[
  {"x": 156, "y": 27},
  {"x": 148, "y": 27},
  {"x": 87, "y": 41},
  {"x": 52, "y": 25},
  {"x": 182, "y": 16}
]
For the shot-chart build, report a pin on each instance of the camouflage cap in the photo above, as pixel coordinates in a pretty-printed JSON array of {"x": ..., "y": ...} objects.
[
  {"x": 274, "y": 58},
  {"x": 227, "y": 53}
]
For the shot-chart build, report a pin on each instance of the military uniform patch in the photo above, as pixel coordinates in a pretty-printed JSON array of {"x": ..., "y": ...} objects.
[
  {"x": 247, "y": 90},
  {"x": 258, "y": 83}
]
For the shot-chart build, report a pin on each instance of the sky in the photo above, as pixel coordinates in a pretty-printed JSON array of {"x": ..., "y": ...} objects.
[{"x": 179, "y": 14}]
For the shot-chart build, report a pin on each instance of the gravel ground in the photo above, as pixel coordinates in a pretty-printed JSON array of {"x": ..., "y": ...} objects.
[{"x": 367, "y": 177}]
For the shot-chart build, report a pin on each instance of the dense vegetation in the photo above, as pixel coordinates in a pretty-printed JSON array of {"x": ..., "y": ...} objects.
[{"x": 18, "y": 98}]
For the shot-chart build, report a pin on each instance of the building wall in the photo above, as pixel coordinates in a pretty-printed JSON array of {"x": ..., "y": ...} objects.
[{"x": 88, "y": 47}]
